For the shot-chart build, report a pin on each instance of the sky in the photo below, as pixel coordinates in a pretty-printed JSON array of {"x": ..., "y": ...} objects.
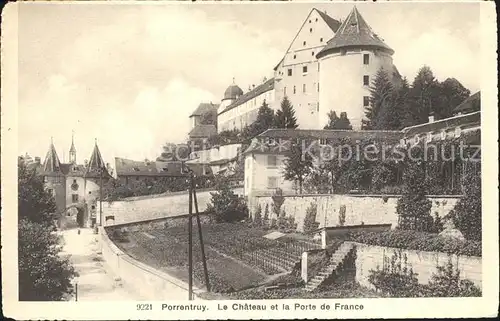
[{"x": 131, "y": 74}]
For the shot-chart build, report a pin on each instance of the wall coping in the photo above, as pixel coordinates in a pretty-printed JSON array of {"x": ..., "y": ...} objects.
[
  {"x": 146, "y": 268},
  {"x": 153, "y": 220},
  {"x": 358, "y": 195},
  {"x": 152, "y": 196},
  {"x": 357, "y": 244}
]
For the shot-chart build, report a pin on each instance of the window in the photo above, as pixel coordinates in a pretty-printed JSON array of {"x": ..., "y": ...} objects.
[
  {"x": 90, "y": 193},
  {"x": 310, "y": 29},
  {"x": 318, "y": 87},
  {"x": 366, "y": 59},
  {"x": 320, "y": 39},
  {"x": 366, "y": 101},
  {"x": 74, "y": 181},
  {"x": 304, "y": 43},
  {"x": 294, "y": 90},
  {"x": 323, "y": 141},
  {"x": 312, "y": 53},
  {"x": 316, "y": 19},
  {"x": 366, "y": 80},
  {"x": 304, "y": 69},
  {"x": 74, "y": 198},
  {"x": 289, "y": 72},
  {"x": 272, "y": 182},
  {"x": 304, "y": 88},
  {"x": 272, "y": 160},
  {"x": 309, "y": 21},
  {"x": 294, "y": 56}
]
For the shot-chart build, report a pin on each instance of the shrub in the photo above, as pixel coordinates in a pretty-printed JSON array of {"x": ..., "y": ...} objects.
[
  {"x": 310, "y": 223},
  {"x": 282, "y": 220},
  {"x": 226, "y": 206},
  {"x": 265, "y": 221},
  {"x": 257, "y": 219},
  {"x": 419, "y": 241},
  {"x": 278, "y": 200},
  {"x": 467, "y": 213},
  {"x": 446, "y": 283},
  {"x": 273, "y": 223}
]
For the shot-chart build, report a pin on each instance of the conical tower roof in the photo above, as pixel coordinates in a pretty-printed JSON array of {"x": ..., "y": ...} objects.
[
  {"x": 354, "y": 32},
  {"x": 72, "y": 148},
  {"x": 96, "y": 163},
  {"x": 52, "y": 163}
]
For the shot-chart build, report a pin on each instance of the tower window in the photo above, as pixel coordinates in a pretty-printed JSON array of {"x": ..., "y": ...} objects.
[
  {"x": 366, "y": 59},
  {"x": 310, "y": 29},
  {"x": 294, "y": 90},
  {"x": 294, "y": 56},
  {"x": 316, "y": 19},
  {"x": 304, "y": 43},
  {"x": 304, "y": 88},
  {"x": 366, "y": 101},
  {"x": 312, "y": 53},
  {"x": 289, "y": 72},
  {"x": 309, "y": 21},
  {"x": 74, "y": 198},
  {"x": 304, "y": 69},
  {"x": 320, "y": 39},
  {"x": 366, "y": 80}
]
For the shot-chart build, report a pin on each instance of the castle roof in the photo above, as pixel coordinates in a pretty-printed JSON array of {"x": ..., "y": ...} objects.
[
  {"x": 96, "y": 164},
  {"x": 202, "y": 131},
  {"x": 204, "y": 108},
  {"x": 354, "y": 32},
  {"x": 233, "y": 92},
  {"x": 257, "y": 91},
  {"x": 128, "y": 167},
  {"x": 51, "y": 165}
]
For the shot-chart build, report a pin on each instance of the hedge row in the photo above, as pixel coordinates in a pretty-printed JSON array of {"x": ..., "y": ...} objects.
[{"x": 419, "y": 241}]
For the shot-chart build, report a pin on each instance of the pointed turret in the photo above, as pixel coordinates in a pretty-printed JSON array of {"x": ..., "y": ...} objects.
[
  {"x": 354, "y": 32},
  {"x": 72, "y": 150},
  {"x": 96, "y": 163},
  {"x": 52, "y": 163}
]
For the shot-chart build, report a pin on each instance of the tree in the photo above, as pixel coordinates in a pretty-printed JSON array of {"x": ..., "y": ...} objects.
[
  {"x": 451, "y": 94},
  {"x": 467, "y": 212},
  {"x": 285, "y": 117},
  {"x": 403, "y": 104},
  {"x": 298, "y": 164},
  {"x": 413, "y": 207},
  {"x": 424, "y": 96},
  {"x": 264, "y": 121},
  {"x": 335, "y": 122},
  {"x": 43, "y": 274},
  {"x": 379, "y": 113},
  {"x": 225, "y": 205},
  {"x": 35, "y": 203}
]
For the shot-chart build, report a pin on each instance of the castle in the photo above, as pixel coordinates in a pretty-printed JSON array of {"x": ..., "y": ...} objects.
[
  {"x": 75, "y": 187},
  {"x": 328, "y": 65}
]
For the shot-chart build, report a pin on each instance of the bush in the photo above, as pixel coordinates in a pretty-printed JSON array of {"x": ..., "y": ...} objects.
[
  {"x": 278, "y": 200},
  {"x": 310, "y": 223},
  {"x": 467, "y": 213},
  {"x": 446, "y": 283},
  {"x": 419, "y": 241},
  {"x": 257, "y": 219},
  {"x": 227, "y": 206}
]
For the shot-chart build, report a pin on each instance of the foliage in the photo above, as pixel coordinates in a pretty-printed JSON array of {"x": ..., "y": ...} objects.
[
  {"x": 285, "y": 117},
  {"x": 310, "y": 223},
  {"x": 43, "y": 274},
  {"x": 381, "y": 114},
  {"x": 419, "y": 241},
  {"x": 396, "y": 278},
  {"x": 278, "y": 200},
  {"x": 447, "y": 283},
  {"x": 298, "y": 164},
  {"x": 264, "y": 121},
  {"x": 225, "y": 205},
  {"x": 413, "y": 207},
  {"x": 35, "y": 203},
  {"x": 451, "y": 94},
  {"x": 335, "y": 122},
  {"x": 225, "y": 137},
  {"x": 424, "y": 96},
  {"x": 257, "y": 219},
  {"x": 467, "y": 212}
]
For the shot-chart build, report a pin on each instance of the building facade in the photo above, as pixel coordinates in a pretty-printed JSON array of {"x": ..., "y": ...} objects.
[{"x": 75, "y": 187}]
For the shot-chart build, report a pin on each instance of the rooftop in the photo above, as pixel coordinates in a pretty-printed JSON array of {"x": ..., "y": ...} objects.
[
  {"x": 128, "y": 167},
  {"x": 354, "y": 32},
  {"x": 257, "y": 91},
  {"x": 461, "y": 120},
  {"x": 202, "y": 131},
  {"x": 204, "y": 108}
]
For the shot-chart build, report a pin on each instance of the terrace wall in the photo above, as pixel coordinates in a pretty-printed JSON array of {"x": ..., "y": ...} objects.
[
  {"x": 149, "y": 283},
  {"x": 369, "y": 257},
  {"x": 366, "y": 209},
  {"x": 143, "y": 208}
]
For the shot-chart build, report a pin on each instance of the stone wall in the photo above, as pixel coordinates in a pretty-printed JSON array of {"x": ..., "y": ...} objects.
[
  {"x": 366, "y": 209},
  {"x": 368, "y": 257},
  {"x": 149, "y": 283},
  {"x": 144, "y": 208}
]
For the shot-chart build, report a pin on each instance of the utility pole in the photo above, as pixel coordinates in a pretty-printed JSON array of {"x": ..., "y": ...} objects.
[
  {"x": 203, "y": 258},
  {"x": 100, "y": 195},
  {"x": 190, "y": 240}
]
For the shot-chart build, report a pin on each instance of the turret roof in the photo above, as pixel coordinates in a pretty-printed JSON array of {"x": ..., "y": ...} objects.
[
  {"x": 51, "y": 163},
  {"x": 354, "y": 32},
  {"x": 96, "y": 164}
]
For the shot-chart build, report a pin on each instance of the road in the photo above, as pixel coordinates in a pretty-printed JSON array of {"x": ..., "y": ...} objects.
[{"x": 94, "y": 282}]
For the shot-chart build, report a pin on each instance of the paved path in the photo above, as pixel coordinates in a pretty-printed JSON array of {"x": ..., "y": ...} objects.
[{"x": 94, "y": 283}]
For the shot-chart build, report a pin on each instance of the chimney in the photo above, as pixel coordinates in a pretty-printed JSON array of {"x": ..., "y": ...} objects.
[
  {"x": 431, "y": 117},
  {"x": 253, "y": 86}
]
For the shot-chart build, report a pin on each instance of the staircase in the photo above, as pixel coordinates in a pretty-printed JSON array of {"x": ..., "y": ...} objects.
[{"x": 336, "y": 261}]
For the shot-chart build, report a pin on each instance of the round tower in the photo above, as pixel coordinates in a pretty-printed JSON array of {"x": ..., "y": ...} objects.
[
  {"x": 232, "y": 93},
  {"x": 348, "y": 65}
]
